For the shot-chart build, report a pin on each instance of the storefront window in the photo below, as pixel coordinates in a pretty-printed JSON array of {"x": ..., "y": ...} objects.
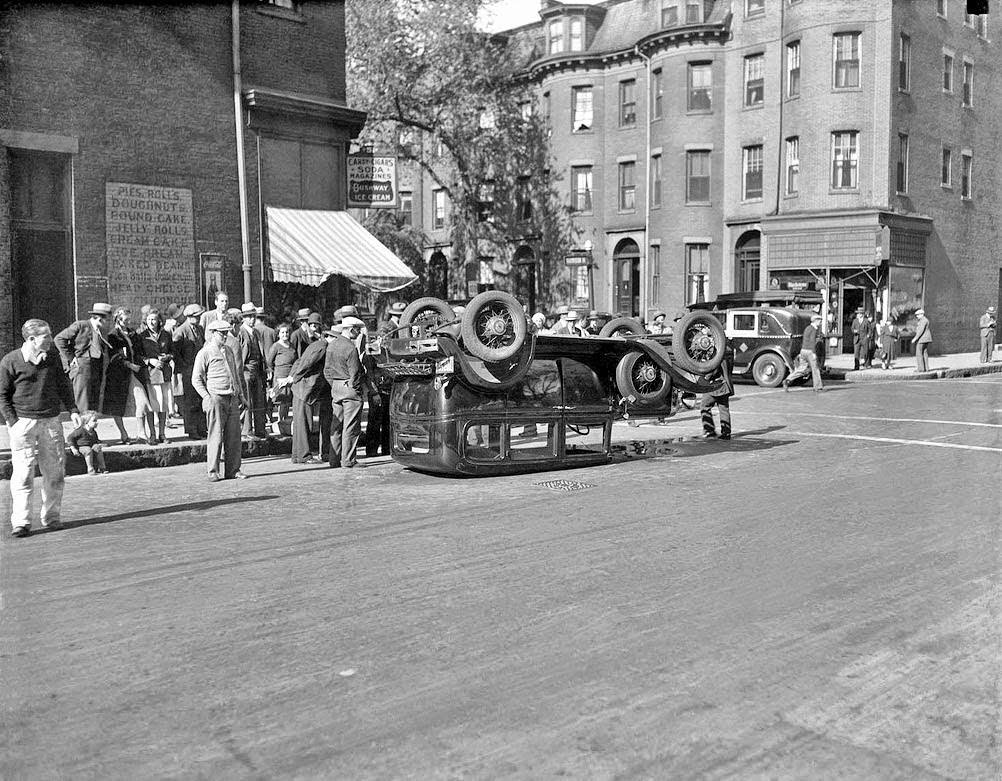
[{"x": 906, "y": 285}]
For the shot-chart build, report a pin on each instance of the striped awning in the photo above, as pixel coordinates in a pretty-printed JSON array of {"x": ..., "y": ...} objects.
[{"x": 307, "y": 246}]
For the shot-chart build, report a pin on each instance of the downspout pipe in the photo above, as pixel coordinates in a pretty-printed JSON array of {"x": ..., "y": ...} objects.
[
  {"x": 645, "y": 266},
  {"x": 241, "y": 165}
]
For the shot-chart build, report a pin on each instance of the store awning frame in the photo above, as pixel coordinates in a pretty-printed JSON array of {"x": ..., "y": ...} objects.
[{"x": 309, "y": 245}]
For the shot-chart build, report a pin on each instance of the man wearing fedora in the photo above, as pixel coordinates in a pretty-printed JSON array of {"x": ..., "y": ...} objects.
[
  {"x": 310, "y": 325},
  {"x": 309, "y": 391},
  {"x": 391, "y": 326},
  {"x": 84, "y": 349},
  {"x": 188, "y": 339},
  {"x": 862, "y": 338},
  {"x": 255, "y": 418},
  {"x": 562, "y": 327},
  {"x": 219, "y": 313},
  {"x": 987, "y": 325},
  {"x": 343, "y": 372},
  {"x": 922, "y": 340},
  {"x": 808, "y": 356},
  {"x": 217, "y": 381}
]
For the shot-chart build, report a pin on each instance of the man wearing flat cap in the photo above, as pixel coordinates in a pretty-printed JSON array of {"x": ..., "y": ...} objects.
[
  {"x": 188, "y": 339},
  {"x": 391, "y": 326},
  {"x": 343, "y": 372},
  {"x": 808, "y": 356},
  {"x": 254, "y": 418},
  {"x": 987, "y": 326},
  {"x": 922, "y": 340},
  {"x": 310, "y": 325},
  {"x": 217, "y": 381},
  {"x": 84, "y": 350}
]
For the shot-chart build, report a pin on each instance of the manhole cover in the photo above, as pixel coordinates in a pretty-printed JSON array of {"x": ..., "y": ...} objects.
[{"x": 564, "y": 485}]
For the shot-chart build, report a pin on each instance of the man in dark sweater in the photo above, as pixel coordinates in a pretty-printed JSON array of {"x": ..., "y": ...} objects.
[
  {"x": 310, "y": 390},
  {"x": 34, "y": 389},
  {"x": 343, "y": 371}
]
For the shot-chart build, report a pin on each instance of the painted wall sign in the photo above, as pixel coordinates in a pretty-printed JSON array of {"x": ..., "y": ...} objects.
[
  {"x": 372, "y": 181},
  {"x": 150, "y": 236}
]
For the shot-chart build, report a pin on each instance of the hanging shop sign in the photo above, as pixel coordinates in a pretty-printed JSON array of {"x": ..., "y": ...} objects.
[{"x": 372, "y": 181}]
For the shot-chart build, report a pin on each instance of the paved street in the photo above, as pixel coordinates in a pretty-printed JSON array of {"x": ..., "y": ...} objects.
[{"x": 818, "y": 598}]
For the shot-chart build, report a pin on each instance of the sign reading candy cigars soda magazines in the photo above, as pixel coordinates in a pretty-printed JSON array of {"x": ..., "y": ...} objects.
[
  {"x": 150, "y": 238},
  {"x": 372, "y": 181}
]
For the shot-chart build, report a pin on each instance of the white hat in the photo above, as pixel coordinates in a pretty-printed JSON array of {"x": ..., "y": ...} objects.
[
  {"x": 351, "y": 322},
  {"x": 919, "y": 311},
  {"x": 218, "y": 325}
]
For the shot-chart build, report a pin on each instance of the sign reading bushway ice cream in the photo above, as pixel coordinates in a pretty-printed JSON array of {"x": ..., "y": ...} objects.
[
  {"x": 372, "y": 181},
  {"x": 151, "y": 246}
]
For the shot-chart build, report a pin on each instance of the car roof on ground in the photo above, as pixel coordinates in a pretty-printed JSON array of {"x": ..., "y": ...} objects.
[{"x": 778, "y": 298}]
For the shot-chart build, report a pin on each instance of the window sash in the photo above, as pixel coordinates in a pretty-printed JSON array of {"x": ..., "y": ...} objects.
[
  {"x": 902, "y": 167},
  {"x": 947, "y": 73},
  {"x": 845, "y": 160},
  {"x": 754, "y": 7},
  {"x": 966, "y": 172},
  {"x": 694, "y": 11},
  {"x": 556, "y": 36},
  {"x": 946, "y": 168},
  {"x": 627, "y": 103},
  {"x": 407, "y": 208},
  {"x": 753, "y": 164},
  {"x": 904, "y": 61},
  {"x": 581, "y": 188},
  {"x": 658, "y": 88},
  {"x": 627, "y": 186},
  {"x": 438, "y": 202},
  {"x": 700, "y": 87},
  {"x": 846, "y": 60},
  {"x": 968, "y": 98},
  {"x": 669, "y": 15},
  {"x": 697, "y": 275},
  {"x": 583, "y": 111},
  {"x": 576, "y": 35},
  {"x": 656, "y": 180},
  {"x": 793, "y": 69},
  {"x": 697, "y": 177},
  {"x": 755, "y": 80},
  {"x": 792, "y": 166}
]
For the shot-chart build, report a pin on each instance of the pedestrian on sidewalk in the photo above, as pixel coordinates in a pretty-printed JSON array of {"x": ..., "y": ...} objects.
[
  {"x": 310, "y": 392},
  {"x": 280, "y": 359},
  {"x": 188, "y": 338},
  {"x": 987, "y": 326},
  {"x": 34, "y": 389},
  {"x": 862, "y": 337},
  {"x": 922, "y": 340},
  {"x": 808, "y": 356},
  {"x": 720, "y": 398},
  {"x": 85, "y": 442},
  {"x": 157, "y": 345},
  {"x": 343, "y": 372},
  {"x": 216, "y": 380},
  {"x": 252, "y": 358},
  {"x": 887, "y": 334},
  {"x": 84, "y": 349}
]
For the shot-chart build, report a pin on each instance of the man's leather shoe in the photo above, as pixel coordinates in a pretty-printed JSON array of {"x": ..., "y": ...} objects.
[
  {"x": 213, "y": 477},
  {"x": 21, "y": 531}
]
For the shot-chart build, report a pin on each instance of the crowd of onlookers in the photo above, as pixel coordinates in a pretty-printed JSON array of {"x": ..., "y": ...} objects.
[{"x": 571, "y": 322}]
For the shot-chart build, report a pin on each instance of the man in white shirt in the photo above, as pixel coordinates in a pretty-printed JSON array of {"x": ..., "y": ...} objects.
[{"x": 217, "y": 381}]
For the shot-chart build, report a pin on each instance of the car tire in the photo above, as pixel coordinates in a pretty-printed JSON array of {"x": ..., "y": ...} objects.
[
  {"x": 769, "y": 370},
  {"x": 640, "y": 378},
  {"x": 698, "y": 342},
  {"x": 494, "y": 326},
  {"x": 432, "y": 311},
  {"x": 621, "y": 326}
]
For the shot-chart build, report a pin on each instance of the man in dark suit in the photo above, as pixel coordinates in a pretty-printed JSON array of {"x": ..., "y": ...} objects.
[
  {"x": 309, "y": 390},
  {"x": 862, "y": 339},
  {"x": 188, "y": 339},
  {"x": 310, "y": 326},
  {"x": 84, "y": 350},
  {"x": 343, "y": 371}
]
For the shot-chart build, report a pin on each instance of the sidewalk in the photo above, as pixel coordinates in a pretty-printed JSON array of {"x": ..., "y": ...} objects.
[{"x": 180, "y": 450}]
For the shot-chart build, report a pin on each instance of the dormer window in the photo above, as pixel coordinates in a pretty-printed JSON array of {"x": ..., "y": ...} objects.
[
  {"x": 694, "y": 11},
  {"x": 576, "y": 35},
  {"x": 555, "y": 31},
  {"x": 669, "y": 14}
]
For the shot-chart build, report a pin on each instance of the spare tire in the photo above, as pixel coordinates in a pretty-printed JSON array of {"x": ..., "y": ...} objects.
[
  {"x": 698, "y": 342},
  {"x": 620, "y": 326},
  {"x": 494, "y": 326},
  {"x": 640, "y": 380},
  {"x": 429, "y": 312}
]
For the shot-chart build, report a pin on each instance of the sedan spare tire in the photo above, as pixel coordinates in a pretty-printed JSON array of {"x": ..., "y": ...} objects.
[
  {"x": 641, "y": 381},
  {"x": 494, "y": 326},
  {"x": 698, "y": 342},
  {"x": 622, "y": 326},
  {"x": 429, "y": 312}
]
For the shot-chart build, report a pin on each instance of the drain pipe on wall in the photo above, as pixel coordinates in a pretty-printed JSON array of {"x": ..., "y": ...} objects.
[
  {"x": 645, "y": 265},
  {"x": 241, "y": 172}
]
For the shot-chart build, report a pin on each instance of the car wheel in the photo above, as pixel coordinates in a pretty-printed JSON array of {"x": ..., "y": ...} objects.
[
  {"x": 698, "y": 342},
  {"x": 429, "y": 312},
  {"x": 640, "y": 379},
  {"x": 768, "y": 370},
  {"x": 494, "y": 326},
  {"x": 622, "y": 327}
]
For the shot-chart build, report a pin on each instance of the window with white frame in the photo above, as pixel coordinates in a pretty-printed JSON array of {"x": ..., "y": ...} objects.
[
  {"x": 792, "y": 69},
  {"x": 555, "y": 33},
  {"x": 627, "y": 186},
  {"x": 697, "y": 272},
  {"x": 947, "y": 72},
  {"x": 628, "y": 103},
  {"x": 845, "y": 159},
  {"x": 904, "y": 62},
  {"x": 581, "y": 188},
  {"x": 582, "y": 109},
  {"x": 968, "y": 98},
  {"x": 946, "y": 168},
  {"x": 966, "y": 172},
  {"x": 693, "y": 11},
  {"x": 655, "y": 261},
  {"x": 576, "y": 34},
  {"x": 582, "y": 290},
  {"x": 657, "y": 93},
  {"x": 982, "y": 25},
  {"x": 755, "y": 80},
  {"x": 901, "y": 182},
  {"x": 792, "y": 165},
  {"x": 438, "y": 209},
  {"x": 700, "y": 94},
  {"x": 752, "y": 163},
  {"x": 846, "y": 60},
  {"x": 406, "y": 207},
  {"x": 941, "y": 8},
  {"x": 697, "y": 176},
  {"x": 655, "y": 181},
  {"x": 669, "y": 14},
  {"x": 754, "y": 7}
]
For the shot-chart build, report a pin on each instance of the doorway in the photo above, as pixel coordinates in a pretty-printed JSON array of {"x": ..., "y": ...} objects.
[
  {"x": 525, "y": 278},
  {"x": 747, "y": 256},
  {"x": 438, "y": 276},
  {"x": 626, "y": 261}
]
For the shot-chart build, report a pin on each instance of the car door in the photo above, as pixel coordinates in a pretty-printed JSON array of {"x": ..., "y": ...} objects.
[
  {"x": 742, "y": 329},
  {"x": 587, "y": 414}
]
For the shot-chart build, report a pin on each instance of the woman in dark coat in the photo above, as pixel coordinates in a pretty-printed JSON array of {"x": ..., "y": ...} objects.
[
  {"x": 155, "y": 346},
  {"x": 125, "y": 382}
]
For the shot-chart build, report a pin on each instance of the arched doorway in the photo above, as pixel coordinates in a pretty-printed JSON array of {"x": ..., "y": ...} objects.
[
  {"x": 747, "y": 261},
  {"x": 438, "y": 275},
  {"x": 626, "y": 265},
  {"x": 524, "y": 264}
]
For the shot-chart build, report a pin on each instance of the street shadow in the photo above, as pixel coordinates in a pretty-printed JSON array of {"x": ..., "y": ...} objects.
[
  {"x": 742, "y": 443},
  {"x": 165, "y": 510}
]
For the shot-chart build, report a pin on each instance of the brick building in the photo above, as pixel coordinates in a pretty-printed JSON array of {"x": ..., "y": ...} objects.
[
  {"x": 122, "y": 130},
  {"x": 709, "y": 147}
]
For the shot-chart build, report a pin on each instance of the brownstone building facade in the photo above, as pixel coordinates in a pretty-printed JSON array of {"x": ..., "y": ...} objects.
[{"x": 122, "y": 132}]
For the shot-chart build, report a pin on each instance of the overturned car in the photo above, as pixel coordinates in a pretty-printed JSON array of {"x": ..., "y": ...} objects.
[{"x": 485, "y": 394}]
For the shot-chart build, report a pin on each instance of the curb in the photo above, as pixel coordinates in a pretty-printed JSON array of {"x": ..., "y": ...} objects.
[
  {"x": 139, "y": 457},
  {"x": 880, "y": 375}
]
